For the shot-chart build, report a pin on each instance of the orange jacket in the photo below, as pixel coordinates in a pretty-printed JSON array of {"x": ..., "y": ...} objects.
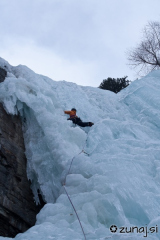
[{"x": 71, "y": 113}]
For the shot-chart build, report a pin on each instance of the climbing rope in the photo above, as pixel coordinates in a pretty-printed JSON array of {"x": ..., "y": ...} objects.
[
  {"x": 66, "y": 189},
  {"x": 71, "y": 165},
  {"x": 68, "y": 194},
  {"x": 75, "y": 211},
  {"x": 75, "y": 157}
]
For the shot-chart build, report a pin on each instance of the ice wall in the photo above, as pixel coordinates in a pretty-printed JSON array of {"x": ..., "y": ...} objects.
[{"x": 117, "y": 182}]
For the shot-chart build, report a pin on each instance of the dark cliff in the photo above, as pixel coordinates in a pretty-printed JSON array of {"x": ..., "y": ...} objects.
[{"x": 17, "y": 207}]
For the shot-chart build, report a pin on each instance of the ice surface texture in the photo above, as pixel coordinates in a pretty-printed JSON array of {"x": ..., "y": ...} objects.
[{"x": 118, "y": 183}]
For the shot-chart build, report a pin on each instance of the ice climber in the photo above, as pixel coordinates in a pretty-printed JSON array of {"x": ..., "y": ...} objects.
[{"x": 75, "y": 119}]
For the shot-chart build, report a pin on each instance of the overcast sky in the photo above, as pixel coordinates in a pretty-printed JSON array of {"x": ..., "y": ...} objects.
[{"x": 81, "y": 41}]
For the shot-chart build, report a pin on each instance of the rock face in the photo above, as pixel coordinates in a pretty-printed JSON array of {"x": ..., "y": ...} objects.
[
  {"x": 17, "y": 208},
  {"x": 3, "y": 74}
]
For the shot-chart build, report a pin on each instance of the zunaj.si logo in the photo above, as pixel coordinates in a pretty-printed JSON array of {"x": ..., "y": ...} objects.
[
  {"x": 144, "y": 230},
  {"x": 113, "y": 228}
]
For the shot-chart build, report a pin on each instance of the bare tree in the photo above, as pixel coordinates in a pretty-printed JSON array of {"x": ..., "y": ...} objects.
[{"x": 146, "y": 56}]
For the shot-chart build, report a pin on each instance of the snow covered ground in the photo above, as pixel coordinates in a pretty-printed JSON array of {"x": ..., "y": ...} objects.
[{"x": 115, "y": 183}]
